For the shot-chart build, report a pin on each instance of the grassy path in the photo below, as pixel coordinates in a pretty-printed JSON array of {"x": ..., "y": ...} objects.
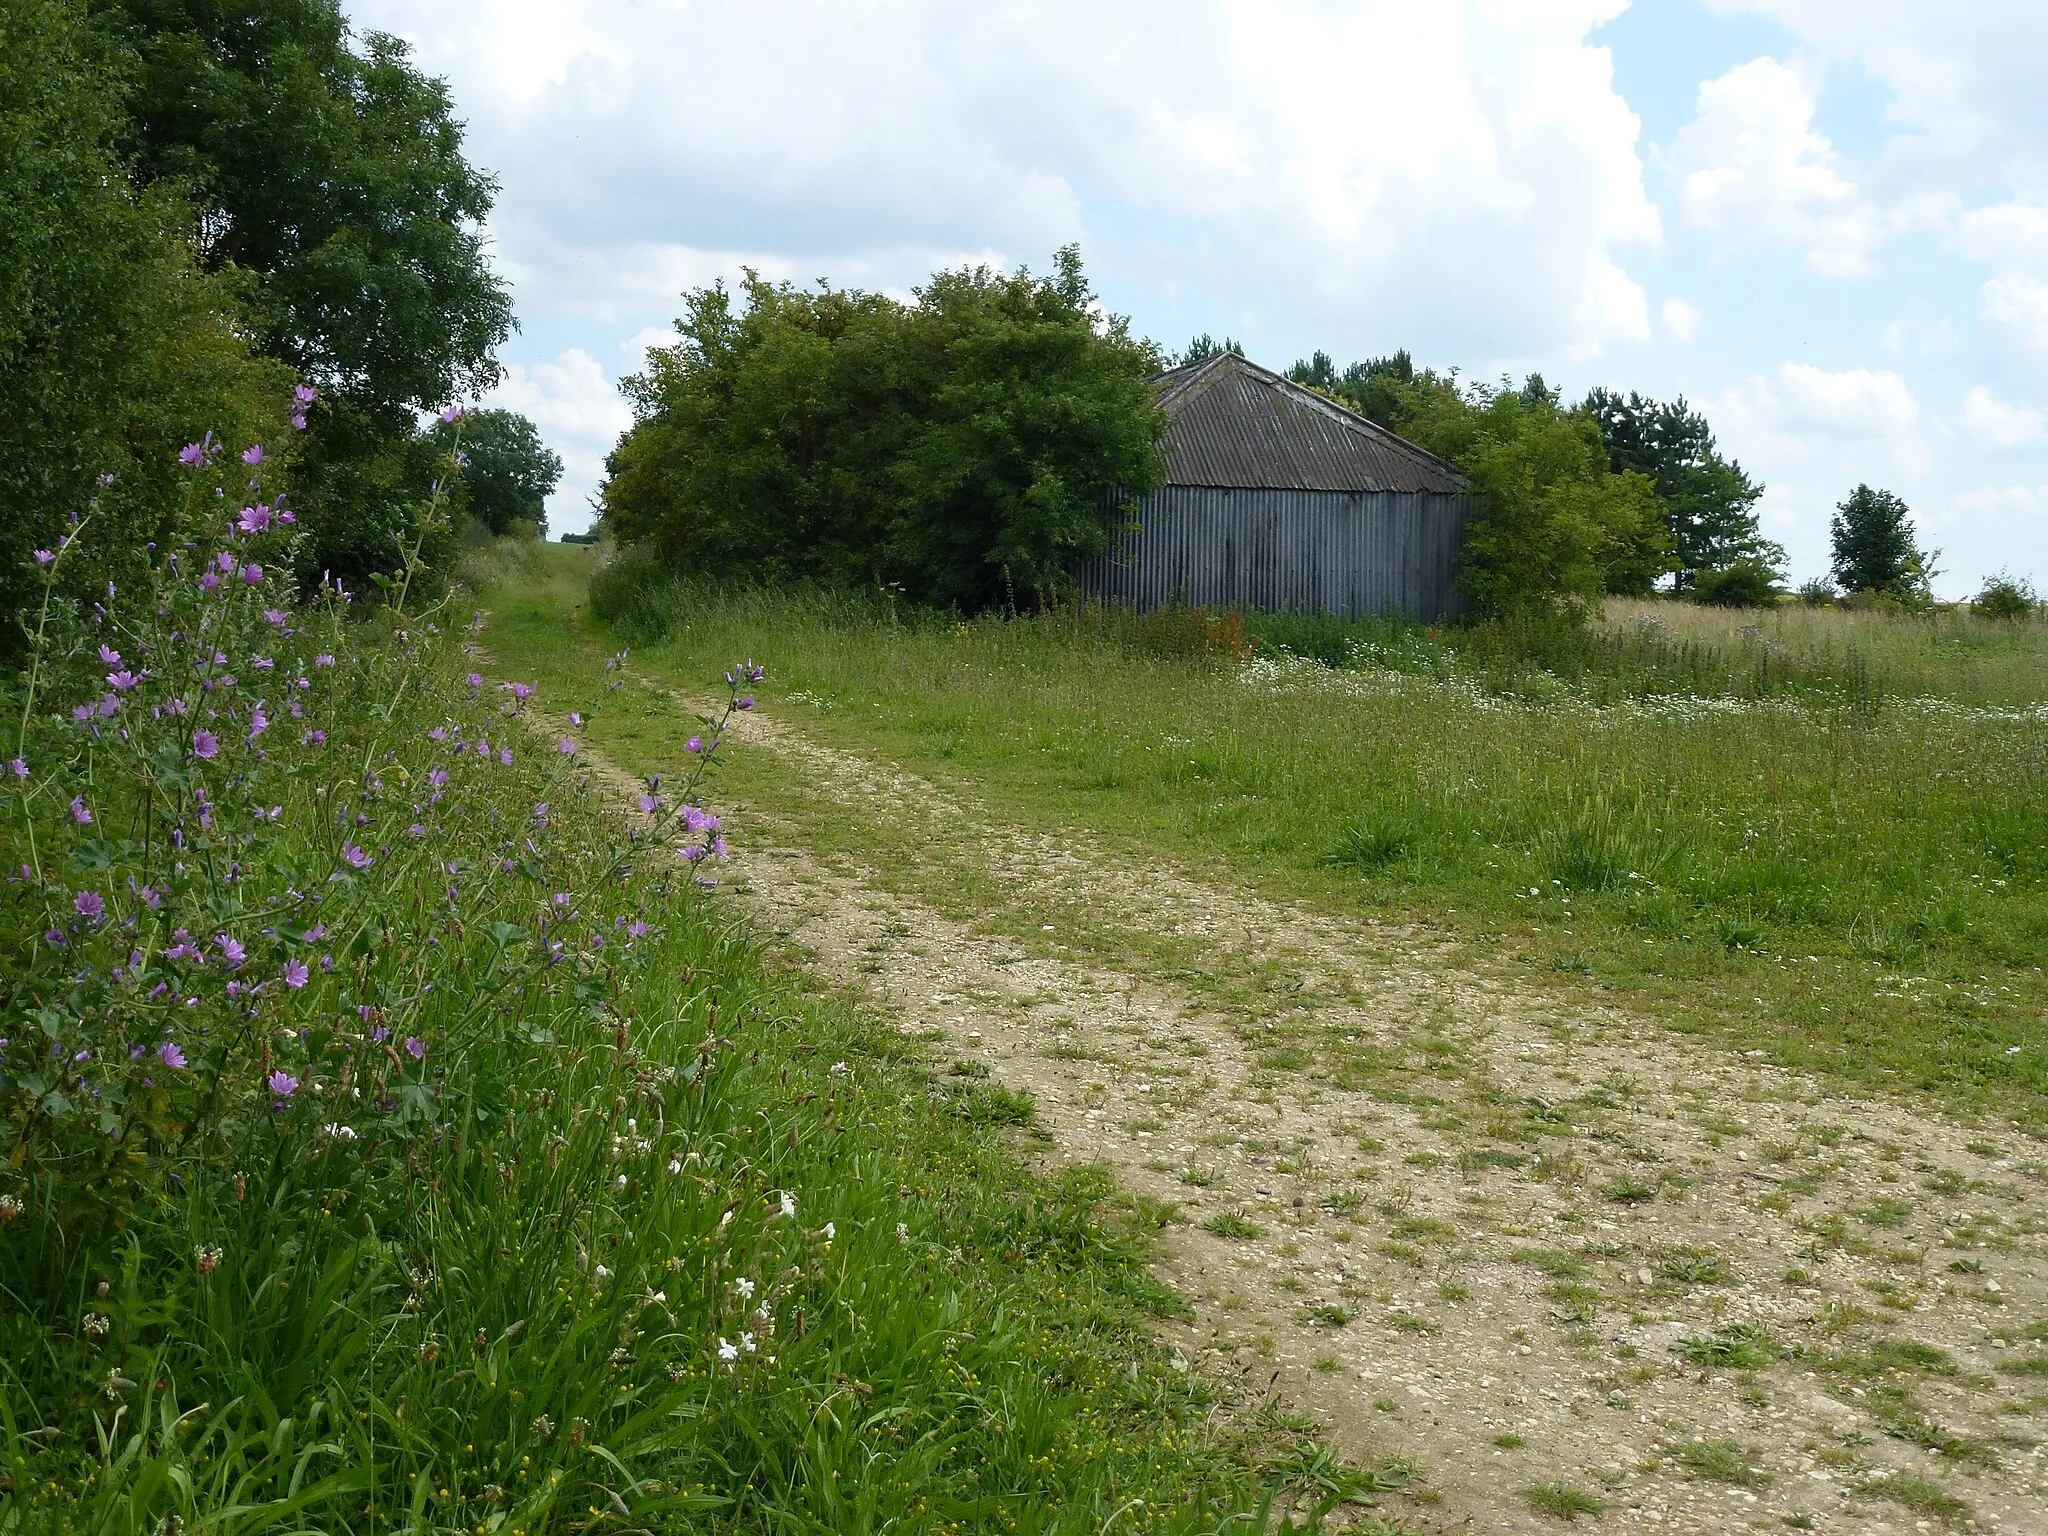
[{"x": 1550, "y": 1255}]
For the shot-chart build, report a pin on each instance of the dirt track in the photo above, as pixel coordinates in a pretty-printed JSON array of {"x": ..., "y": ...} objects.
[{"x": 1508, "y": 1239}]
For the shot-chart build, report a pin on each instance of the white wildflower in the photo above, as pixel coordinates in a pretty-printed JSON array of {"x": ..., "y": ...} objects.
[
  {"x": 747, "y": 1342},
  {"x": 902, "y": 1233},
  {"x": 788, "y": 1204},
  {"x": 675, "y": 1166},
  {"x": 745, "y": 1287},
  {"x": 727, "y": 1351},
  {"x": 831, "y": 1231}
]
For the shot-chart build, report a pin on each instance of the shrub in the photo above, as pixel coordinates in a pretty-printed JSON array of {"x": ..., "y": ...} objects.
[
  {"x": 964, "y": 449},
  {"x": 1818, "y": 592},
  {"x": 1745, "y": 584},
  {"x": 2005, "y": 597}
]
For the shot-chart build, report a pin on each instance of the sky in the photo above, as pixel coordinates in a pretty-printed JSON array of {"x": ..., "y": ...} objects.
[{"x": 1823, "y": 222}]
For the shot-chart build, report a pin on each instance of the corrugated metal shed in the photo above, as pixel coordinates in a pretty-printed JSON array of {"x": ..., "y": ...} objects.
[
  {"x": 1236, "y": 424},
  {"x": 1277, "y": 498}
]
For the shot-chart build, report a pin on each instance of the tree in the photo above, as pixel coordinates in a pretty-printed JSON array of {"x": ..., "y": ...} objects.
[
  {"x": 510, "y": 474},
  {"x": 1709, "y": 504},
  {"x": 334, "y": 177},
  {"x": 1205, "y": 346},
  {"x": 969, "y": 446},
  {"x": 1873, "y": 547},
  {"x": 330, "y": 183},
  {"x": 1553, "y": 526},
  {"x": 115, "y": 347}
]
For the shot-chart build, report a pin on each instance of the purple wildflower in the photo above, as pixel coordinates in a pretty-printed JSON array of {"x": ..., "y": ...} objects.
[
  {"x": 566, "y": 747},
  {"x": 169, "y": 1054},
  {"x": 109, "y": 657},
  {"x": 122, "y": 681},
  {"x": 19, "y": 767},
  {"x": 415, "y": 1047},
  {"x": 745, "y": 703},
  {"x": 44, "y": 557},
  {"x": 252, "y": 574},
  {"x": 283, "y": 1084},
  {"x": 254, "y": 519},
  {"x": 295, "y": 973},
  {"x": 453, "y": 413},
  {"x": 192, "y": 453},
  {"x": 258, "y": 721},
  {"x": 253, "y": 455},
  {"x": 505, "y": 756},
  {"x": 694, "y": 744},
  {"x": 79, "y": 813},
  {"x": 475, "y": 680},
  {"x": 205, "y": 744},
  {"x": 304, "y": 394},
  {"x": 354, "y": 856},
  {"x": 90, "y": 905},
  {"x": 231, "y": 952},
  {"x": 323, "y": 660}
]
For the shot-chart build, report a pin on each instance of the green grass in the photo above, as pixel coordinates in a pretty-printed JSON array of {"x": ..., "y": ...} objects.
[
  {"x": 1881, "y": 864},
  {"x": 1561, "y": 1501},
  {"x": 649, "y": 1235}
]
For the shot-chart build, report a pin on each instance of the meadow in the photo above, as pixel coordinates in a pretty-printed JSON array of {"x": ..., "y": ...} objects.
[
  {"x": 1820, "y": 835},
  {"x": 394, "y": 1137}
]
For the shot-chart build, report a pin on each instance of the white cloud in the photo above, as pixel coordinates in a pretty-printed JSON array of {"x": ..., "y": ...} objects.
[
  {"x": 1466, "y": 167},
  {"x": 578, "y": 413},
  {"x": 1752, "y": 164},
  {"x": 1807, "y": 413},
  {"x": 1992, "y": 423},
  {"x": 1681, "y": 320}
]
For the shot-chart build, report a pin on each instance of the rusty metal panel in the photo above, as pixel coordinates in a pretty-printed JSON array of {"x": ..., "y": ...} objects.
[{"x": 1338, "y": 552}]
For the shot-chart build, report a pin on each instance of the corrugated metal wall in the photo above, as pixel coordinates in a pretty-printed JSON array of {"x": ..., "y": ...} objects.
[{"x": 1341, "y": 552}]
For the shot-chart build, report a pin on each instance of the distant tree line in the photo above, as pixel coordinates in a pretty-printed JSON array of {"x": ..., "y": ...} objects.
[
  {"x": 202, "y": 208},
  {"x": 965, "y": 448}
]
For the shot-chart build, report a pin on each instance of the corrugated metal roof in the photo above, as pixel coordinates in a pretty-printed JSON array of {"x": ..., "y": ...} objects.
[{"x": 1235, "y": 424}]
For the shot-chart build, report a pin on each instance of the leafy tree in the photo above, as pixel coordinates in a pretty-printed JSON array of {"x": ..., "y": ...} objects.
[
  {"x": 511, "y": 472},
  {"x": 1709, "y": 503},
  {"x": 334, "y": 177},
  {"x": 329, "y": 180},
  {"x": 1205, "y": 346},
  {"x": 968, "y": 447},
  {"x": 115, "y": 348},
  {"x": 1553, "y": 526},
  {"x": 1873, "y": 547}
]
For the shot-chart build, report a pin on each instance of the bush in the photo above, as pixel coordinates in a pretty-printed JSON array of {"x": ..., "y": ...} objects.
[
  {"x": 1745, "y": 584},
  {"x": 1818, "y": 592},
  {"x": 965, "y": 449},
  {"x": 2006, "y": 597}
]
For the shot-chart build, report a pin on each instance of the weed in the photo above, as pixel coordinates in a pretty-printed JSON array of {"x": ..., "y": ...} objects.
[
  {"x": 1720, "y": 1461},
  {"x": 1738, "y": 1346},
  {"x": 1693, "y": 1266},
  {"x": 1562, "y": 1501},
  {"x": 1231, "y": 1224}
]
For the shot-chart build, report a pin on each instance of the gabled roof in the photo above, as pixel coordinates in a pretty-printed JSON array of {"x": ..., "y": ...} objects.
[{"x": 1234, "y": 424}]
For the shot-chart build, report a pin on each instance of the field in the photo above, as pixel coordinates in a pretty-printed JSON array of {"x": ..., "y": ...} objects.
[{"x": 1576, "y": 1089}]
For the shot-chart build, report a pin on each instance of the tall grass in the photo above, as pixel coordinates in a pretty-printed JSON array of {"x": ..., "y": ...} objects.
[
  {"x": 397, "y": 1140},
  {"x": 1682, "y": 839}
]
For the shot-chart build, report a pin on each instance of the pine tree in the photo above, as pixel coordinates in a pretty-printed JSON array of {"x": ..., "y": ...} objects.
[
  {"x": 1874, "y": 548},
  {"x": 1709, "y": 502}
]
